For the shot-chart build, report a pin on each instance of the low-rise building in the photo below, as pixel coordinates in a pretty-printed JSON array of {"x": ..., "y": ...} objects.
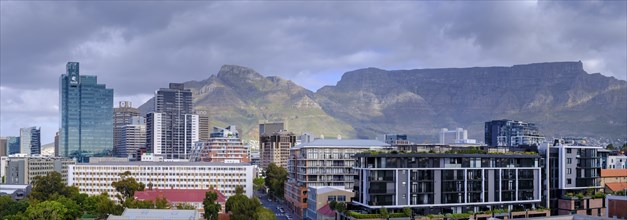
[
  {"x": 157, "y": 214},
  {"x": 193, "y": 197},
  {"x": 23, "y": 169},
  {"x": 614, "y": 180},
  {"x": 16, "y": 192},
  {"x": 434, "y": 183},
  {"x": 95, "y": 179},
  {"x": 616, "y": 207},
  {"x": 319, "y": 197}
]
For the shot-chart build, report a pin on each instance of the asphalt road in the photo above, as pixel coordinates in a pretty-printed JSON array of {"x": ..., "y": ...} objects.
[{"x": 273, "y": 205}]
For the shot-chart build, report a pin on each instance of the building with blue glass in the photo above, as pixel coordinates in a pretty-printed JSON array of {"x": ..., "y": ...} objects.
[
  {"x": 13, "y": 145},
  {"x": 30, "y": 140},
  {"x": 86, "y": 113}
]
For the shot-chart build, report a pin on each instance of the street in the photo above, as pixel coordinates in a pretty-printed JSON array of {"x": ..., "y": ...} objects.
[{"x": 273, "y": 206}]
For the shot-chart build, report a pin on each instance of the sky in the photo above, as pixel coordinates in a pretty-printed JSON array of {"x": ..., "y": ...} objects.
[{"x": 137, "y": 47}]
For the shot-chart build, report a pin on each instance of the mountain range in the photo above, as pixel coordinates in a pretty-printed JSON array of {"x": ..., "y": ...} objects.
[{"x": 560, "y": 97}]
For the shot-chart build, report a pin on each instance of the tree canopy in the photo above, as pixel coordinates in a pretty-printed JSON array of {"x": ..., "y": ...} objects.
[
  {"x": 127, "y": 186},
  {"x": 211, "y": 206},
  {"x": 275, "y": 180}
]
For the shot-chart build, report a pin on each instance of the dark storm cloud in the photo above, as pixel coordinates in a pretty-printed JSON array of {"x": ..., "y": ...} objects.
[{"x": 137, "y": 47}]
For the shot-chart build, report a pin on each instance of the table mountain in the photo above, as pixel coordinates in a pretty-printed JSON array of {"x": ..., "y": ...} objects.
[{"x": 560, "y": 97}]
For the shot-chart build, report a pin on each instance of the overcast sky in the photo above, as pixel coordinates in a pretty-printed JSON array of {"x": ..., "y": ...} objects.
[{"x": 137, "y": 47}]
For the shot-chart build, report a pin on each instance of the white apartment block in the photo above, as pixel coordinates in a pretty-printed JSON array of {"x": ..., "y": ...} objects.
[
  {"x": 616, "y": 162},
  {"x": 95, "y": 179}
]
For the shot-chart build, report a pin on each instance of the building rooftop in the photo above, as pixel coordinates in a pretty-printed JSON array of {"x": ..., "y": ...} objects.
[
  {"x": 163, "y": 163},
  {"x": 178, "y": 195},
  {"x": 614, "y": 173},
  {"x": 326, "y": 189},
  {"x": 170, "y": 214},
  {"x": 326, "y": 211},
  {"x": 347, "y": 143},
  {"x": 615, "y": 187}
]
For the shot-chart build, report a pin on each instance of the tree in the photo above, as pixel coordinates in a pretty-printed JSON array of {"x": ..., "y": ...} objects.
[
  {"x": 47, "y": 210},
  {"x": 241, "y": 207},
  {"x": 264, "y": 214},
  {"x": 10, "y": 207},
  {"x": 258, "y": 183},
  {"x": 185, "y": 206},
  {"x": 73, "y": 210},
  {"x": 162, "y": 203},
  {"x": 384, "y": 212},
  {"x": 102, "y": 206},
  {"x": 127, "y": 186},
  {"x": 211, "y": 206},
  {"x": 275, "y": 179},
  {"x": 610, "y": 147},
  {"x": 46, "y": 186}
]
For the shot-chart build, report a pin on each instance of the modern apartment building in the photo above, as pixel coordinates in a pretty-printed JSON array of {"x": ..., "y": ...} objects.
[
  {"x": 203, "y": 126},
  {"x": 23, "y": 169},
  {"x": 433, "y": 183},
  {"x": 574, "y": 169},
  {"x": 270, "y": 127},
  {"x": 510, "y": 133},
  {"x": 320, "y": 196},
  {"x": 122, "y": 116},
  {"x": 172, "y": 129},
  {"x": 224, "y": 146},
  {"x": 275, "y": 148},
  {"x": 323, "y": 162},
  {"x": 96, "y": 178},
  {"x": 30, "y": 140},
  {"x": 86, "y": 114}
]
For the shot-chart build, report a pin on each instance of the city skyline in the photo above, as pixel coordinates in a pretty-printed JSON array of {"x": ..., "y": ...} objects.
[{"x": 284, "y": 39}]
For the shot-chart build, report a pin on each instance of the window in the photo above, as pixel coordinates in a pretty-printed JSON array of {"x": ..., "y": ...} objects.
[
  {"x": 569, "y": 160},
  {"x": 331, "y": 198},
  {"x": 569, "y": 171},
  {"x": 568, "y": 151},
  {"x": 569, "y": 181}
]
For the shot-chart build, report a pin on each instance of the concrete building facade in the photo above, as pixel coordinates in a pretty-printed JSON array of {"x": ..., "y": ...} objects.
[
  {"x": 275, "y": 148},
  {"x": 323, "y": 162},
  {"x": 23, "y": 170},
  {"x": 96, "y": 178}
]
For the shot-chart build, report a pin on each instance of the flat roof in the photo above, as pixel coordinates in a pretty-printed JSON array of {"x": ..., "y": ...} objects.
[
  {"x": 163, "y": 163},
  {"x": 348, "y": 143},
  {"x": 445, "y": 155},
  {"x": 157, "y": 214}
]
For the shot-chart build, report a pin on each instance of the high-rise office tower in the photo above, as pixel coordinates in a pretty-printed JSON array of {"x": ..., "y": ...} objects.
[
  {"x": 172, "y": 129},
  {"x": 132, "y": 138},
  {"x": 13, "y": 145},
  {"x": 86, "y": 113},
  {"x": 270, "y": 127},
  {"x": 275, "y": 148},
  {"x": 30, "y": 140},
  {"x": 121, "y": 117},
  {"x": 511, "y": 133},
  {"x": 203, "y": 125}
]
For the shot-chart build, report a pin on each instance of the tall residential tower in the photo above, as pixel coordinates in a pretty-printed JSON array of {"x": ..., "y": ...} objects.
[{"x": 30, "y": 140}]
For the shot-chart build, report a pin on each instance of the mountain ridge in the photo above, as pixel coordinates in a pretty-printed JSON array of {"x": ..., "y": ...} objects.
[{"x": 559, "y": 96}]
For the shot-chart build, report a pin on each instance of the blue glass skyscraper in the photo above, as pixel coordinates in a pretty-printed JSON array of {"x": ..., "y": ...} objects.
[{"x": 86, "y": 109}]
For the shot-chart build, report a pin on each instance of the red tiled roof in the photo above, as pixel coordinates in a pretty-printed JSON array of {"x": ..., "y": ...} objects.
[
  {"x": 614, "y": 173},
  {"x": 326, "y": 210},
  {"x": 615, "y": 187},
  {"x": 177, "y": 195}
]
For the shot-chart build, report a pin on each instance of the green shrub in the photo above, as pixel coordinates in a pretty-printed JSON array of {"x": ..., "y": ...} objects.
[
  {"x": 362, "y": 216},
  {"x": 398, "y": 215}
]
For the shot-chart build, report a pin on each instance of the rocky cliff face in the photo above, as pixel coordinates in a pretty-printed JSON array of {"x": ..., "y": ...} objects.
[
  {"x": 240, "y": 96},
  {"x": 560, "y": 97}
]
